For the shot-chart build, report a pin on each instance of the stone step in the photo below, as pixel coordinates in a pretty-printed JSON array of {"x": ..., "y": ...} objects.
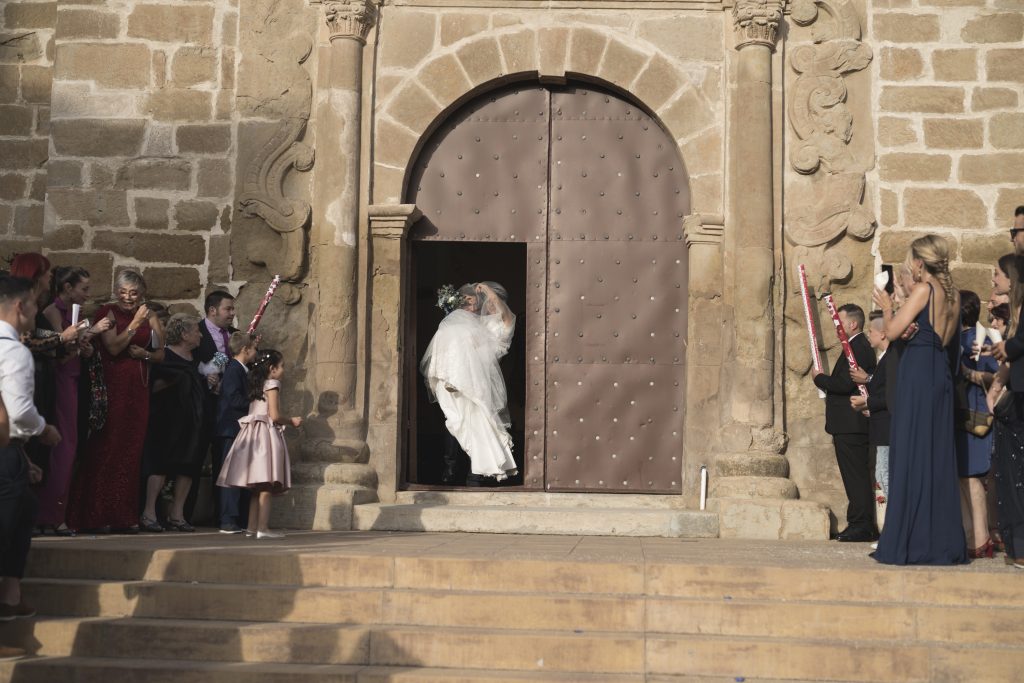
[
  {"x": 623, "y": 614},
  {"x": 540, "y": 499},
  {"x": 527, "y": 651},
  {"x": 103, "y": 670},
  {"x": 289, "y": 563},
  {"x": 319, "y": 506},
  {"x": 574, "y": 521}
]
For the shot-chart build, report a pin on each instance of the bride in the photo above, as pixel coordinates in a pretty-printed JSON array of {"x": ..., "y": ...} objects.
[{"x": 462, "y": 374}]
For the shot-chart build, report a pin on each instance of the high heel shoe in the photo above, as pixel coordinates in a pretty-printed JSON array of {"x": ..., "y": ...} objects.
[{"x": 986, "y": 550}]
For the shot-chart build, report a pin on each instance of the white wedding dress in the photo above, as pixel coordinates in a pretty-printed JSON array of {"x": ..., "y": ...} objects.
[{"x": 462, "y": 373}]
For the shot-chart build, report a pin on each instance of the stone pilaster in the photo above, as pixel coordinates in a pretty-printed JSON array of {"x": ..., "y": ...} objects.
[
  {"x": 335, "y": 228},
  {"x": 752, "y": 493},
  {"x": 389, "y": 227}
]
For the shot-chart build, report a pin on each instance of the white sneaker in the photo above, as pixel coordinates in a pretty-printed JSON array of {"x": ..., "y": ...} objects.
[
  {"x": 249, "y": 533},
  {"x": 269, "y": 534},
  {"x": 874, "y": 546}
]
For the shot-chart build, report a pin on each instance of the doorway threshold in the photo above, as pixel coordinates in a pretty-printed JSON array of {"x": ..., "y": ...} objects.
[{"x": 573, "y": 514}]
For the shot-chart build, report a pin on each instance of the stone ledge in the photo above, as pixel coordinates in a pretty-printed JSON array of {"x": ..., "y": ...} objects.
[{"x": 772, "y": 519}]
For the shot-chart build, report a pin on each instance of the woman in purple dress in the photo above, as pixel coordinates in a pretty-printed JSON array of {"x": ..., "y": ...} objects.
[{"x": 72, "y": 285}]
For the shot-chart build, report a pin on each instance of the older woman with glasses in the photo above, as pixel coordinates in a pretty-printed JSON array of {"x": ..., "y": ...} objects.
[{"x": 105, "y": 493}]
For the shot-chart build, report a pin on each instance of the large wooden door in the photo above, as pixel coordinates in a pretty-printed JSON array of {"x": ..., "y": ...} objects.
[{"x": 597, "y": 191}]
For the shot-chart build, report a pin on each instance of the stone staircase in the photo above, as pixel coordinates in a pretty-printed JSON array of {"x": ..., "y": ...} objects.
[
  {"x": 426, "y": 608},
  {"x": 525, "y": 512}
]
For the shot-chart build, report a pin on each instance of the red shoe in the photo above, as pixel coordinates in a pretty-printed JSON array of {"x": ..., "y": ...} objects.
[{"x": 986, "y": 550}]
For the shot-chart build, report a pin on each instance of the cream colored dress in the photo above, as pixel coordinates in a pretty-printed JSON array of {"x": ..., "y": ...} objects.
[{"x": 258, "y": 458}]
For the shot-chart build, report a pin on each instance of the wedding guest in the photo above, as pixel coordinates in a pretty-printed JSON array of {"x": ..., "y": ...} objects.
[
  {"x": 232, "y": 405},
  {"x": 849, "y": 430},
  {"x": 46, "y": 342},
  {"x": 216, "y": 330},
  {"x": 876, "y": 403},
  {"x": 176, "y": 410},
  {"x": 1008, "y": 451},
  {"x": 72, "y": 286},
  {"x": 973, "y": 449},
  {"x": 922, "y": 475},
  {"x": 105, "y": 491},
  {"x": 18, "y": 310}
]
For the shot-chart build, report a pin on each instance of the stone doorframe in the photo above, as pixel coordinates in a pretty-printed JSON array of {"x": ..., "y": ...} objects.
[{"x": 442, "y": 83}]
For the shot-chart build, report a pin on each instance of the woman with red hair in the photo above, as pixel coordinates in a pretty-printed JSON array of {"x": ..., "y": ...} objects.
[{"x": 47, "y": 345}]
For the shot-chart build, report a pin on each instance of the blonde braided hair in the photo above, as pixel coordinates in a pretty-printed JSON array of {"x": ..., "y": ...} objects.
[{"x": 933, "y": 251}]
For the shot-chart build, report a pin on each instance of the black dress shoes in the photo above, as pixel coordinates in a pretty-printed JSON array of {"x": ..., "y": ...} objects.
[{"x": 855, "y": 535}]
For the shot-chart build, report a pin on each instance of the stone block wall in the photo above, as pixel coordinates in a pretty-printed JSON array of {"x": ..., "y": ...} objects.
[
  {"x": 139, "y": 169},
  {"x": 949, "y": 83},
  {"x": 26, "y": 68}
]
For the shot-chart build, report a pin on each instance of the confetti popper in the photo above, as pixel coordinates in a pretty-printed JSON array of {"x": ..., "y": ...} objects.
[
  {"x": 809, "y": 317},
  {"x": 263, "y": 304},
  {"x": 843, "y": 339}
]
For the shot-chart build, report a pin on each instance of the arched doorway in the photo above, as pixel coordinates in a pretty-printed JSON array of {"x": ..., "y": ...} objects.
[{"x": 576, "y": 196}]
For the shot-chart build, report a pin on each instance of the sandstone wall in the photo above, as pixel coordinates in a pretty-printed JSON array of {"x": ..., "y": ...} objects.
[
  {"x": 141, "y": 158},
  {"x": 26, "y": 69},
  {"x": 949, "y": 85}
]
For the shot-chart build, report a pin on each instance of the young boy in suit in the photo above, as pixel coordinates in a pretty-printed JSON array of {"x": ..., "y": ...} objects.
[
  {"x": 877, "y": 404},
  {"x": 233, "y": 404}
]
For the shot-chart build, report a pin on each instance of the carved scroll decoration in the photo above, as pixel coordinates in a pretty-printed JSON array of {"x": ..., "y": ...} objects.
[
  {"x": 827, "y": 205},
  {"x": 263, "y": 185}
]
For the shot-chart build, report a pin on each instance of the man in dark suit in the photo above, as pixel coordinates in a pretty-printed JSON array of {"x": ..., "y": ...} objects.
[
  {"x": 214, "y": 330},
  {"x": 849, "y": 430},
  {"x": 233, "y": 404}
]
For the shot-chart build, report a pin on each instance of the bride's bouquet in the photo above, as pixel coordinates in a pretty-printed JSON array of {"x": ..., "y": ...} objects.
[{"x": 449, "y": 299}]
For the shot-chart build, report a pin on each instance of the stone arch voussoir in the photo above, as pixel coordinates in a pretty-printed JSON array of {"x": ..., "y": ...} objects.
[{"x": 443, "y": 81}]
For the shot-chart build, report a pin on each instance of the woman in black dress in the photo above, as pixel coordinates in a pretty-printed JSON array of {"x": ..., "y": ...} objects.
[{"x": 175, "y": 418}]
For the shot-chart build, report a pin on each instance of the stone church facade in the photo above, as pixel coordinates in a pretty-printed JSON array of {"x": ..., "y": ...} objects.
[{"x": 216, "y": 143}]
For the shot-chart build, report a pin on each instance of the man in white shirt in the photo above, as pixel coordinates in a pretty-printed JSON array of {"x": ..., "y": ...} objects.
[{"x": 17, "y": 384}]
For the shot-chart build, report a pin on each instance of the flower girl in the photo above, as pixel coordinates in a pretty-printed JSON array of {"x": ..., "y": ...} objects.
[{"x": 258, "y": 459}]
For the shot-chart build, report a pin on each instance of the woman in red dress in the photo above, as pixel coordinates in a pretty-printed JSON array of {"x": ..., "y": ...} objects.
[{"x": 105, "y": 494}]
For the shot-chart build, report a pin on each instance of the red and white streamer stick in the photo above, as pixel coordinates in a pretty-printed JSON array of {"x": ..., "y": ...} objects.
[
  {"x": 843, "y": 339},
  {"x": 263, "y": 304},
  {"x": 812, "y": 335}
]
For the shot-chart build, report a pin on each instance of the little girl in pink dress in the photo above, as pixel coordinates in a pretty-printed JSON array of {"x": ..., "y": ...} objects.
[{"x": 258, "y": 458}]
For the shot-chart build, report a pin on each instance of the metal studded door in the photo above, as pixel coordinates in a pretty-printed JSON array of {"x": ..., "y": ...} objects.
[
  {"x": 616, "y": 328},
  {"x": 597, "y": 191}
]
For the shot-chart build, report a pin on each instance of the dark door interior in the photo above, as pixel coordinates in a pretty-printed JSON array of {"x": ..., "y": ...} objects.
[{"x": 456, "y": 263}]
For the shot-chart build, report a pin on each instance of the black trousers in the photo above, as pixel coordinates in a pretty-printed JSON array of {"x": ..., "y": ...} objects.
[
  {"x": 17, "y": 512},
  {"x": 854, "y": 457}
]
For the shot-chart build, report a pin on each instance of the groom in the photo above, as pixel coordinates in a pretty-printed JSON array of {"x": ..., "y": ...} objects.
[{"x": 849, "y": 429}]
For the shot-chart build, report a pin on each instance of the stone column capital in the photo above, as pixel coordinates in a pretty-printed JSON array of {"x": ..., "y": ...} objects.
[
  {"x": 703, "y": 229},
  {"x": 392, "y": 221},
  {"x": 350, "y": 18},
  {"x": 757, "y": 22}
]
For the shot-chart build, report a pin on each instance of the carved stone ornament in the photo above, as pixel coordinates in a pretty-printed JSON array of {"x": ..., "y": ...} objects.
[
  {"x": 827, "y": 204},
  {"x": 350, "y": 19},
  {"x": 263, "y": 184},
  {"x": 703, "y": 229},
  {"x": 757, "y": 21}
]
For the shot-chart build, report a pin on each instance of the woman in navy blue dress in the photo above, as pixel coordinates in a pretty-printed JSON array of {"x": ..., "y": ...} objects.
[
  {"x": 973, "y": 452},
  {"x": 923, "y": 524}
]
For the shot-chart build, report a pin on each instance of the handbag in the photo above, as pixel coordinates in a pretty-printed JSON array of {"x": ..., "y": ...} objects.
[{"x": 976, "y": 422}]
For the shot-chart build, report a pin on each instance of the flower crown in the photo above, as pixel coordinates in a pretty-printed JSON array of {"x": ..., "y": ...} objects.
[{"x": 449, "y": 299}]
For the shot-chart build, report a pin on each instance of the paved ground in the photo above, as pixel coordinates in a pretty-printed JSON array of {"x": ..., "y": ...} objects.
[{"x": 796, "y": 554}]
